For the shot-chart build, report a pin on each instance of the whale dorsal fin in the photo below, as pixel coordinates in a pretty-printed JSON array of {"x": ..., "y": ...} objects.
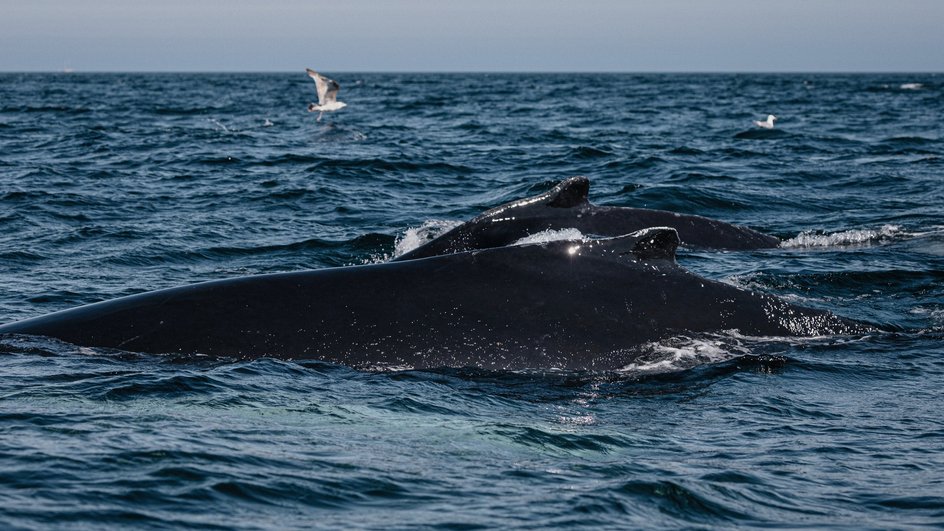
[
  {"x": 654, "y": 243},
  {"x": 569, "y": 193}
]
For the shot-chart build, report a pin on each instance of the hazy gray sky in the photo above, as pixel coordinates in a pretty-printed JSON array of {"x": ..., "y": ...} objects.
[{"x": 491, "y": 35}]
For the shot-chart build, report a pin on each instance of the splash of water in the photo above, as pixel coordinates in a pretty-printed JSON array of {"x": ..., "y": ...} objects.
[
  {"x": 684, "y": 352},
  {"x": 551, "y": 235},
  {"x": 413, "y": 237},
  {"x": 848, "y": 237}
]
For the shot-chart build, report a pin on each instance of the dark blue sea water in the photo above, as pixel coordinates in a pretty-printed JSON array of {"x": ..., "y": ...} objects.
[{"x": 114, "y": 184}]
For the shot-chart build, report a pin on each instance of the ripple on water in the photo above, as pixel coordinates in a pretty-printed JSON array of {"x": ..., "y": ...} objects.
[{"x": 221, "y": 175}]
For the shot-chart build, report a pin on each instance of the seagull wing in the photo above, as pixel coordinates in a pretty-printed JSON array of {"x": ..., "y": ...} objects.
[
  {"x": 331, "y": 94},
  {"x": 327, "y": 88}
]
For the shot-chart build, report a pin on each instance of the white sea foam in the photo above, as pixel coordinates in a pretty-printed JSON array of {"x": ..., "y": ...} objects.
[
  {"x": 911, "y": 86},
  {"x": 218, "y": 124},
  {"x": 682, "y": 353},
  {"x": 413, "y": 237},
  {"x": 577, "y": 420},
  {"x": 935, "y": 316},
  {"x": 931, "y": 241},
  {"x": 848, "y": 237},
  {"x": 551, "y": 235}
]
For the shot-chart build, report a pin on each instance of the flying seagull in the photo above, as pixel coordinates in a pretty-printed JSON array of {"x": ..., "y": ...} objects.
[
  {"x": 769, "y": 124},
  {"x": 327, "y": 94}
]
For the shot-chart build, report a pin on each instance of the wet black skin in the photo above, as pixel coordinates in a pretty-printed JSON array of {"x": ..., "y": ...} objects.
[
  {"x": 569, "y": 305},
  {"x": 567, "y": 206}
]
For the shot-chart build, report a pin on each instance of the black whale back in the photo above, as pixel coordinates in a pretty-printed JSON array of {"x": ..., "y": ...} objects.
[
  {"x": 567, "y": 206},
  {"x": 565, "y": 304}
]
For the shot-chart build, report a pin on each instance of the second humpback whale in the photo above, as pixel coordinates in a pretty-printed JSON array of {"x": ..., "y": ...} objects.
[
  {"x": 567, "y": 206},
  {"x": 565, "y": 304}
]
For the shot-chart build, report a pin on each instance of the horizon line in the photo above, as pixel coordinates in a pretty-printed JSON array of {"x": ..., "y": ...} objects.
[{"x": 72, "y": 70}]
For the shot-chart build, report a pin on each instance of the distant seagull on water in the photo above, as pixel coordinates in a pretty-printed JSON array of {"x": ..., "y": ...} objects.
[
  {"x": 769, "y": 124},
  {"x": 327, "y": 94}
]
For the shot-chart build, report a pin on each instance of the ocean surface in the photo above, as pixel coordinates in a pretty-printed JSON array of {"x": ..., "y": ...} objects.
[{"x": 115, "y": 184}]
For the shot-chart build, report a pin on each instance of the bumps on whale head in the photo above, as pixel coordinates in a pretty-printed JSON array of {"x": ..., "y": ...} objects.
[{"x": 656, "y": 243}]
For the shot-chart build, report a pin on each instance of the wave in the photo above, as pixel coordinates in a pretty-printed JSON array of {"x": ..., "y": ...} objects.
[
  {"x": 700, "y": 431},
  {"x": 910, "y": 139},
  {"x": 932, "y": 315},
  {"x": 898, "y": 280},
  {"x": 551, "y": 235},
  {"x": 21, "y": 257},
  {"x": 683, "y": 352},
  {"x": 643, "y": 163},
  {"x": 384, "y": 165},
  {"x": 900, "y": 87},
  {"x": 44, "y": 109},
  {"x": 413, "y": 237},
  {"x": 680, "y": 197},
  {"x": 685, "y": 151},
  {"x": 590, "y": 152},
  {"x": 289, "y": 159},
  {"x": 182, "y": 111},
  {"x": 845, "y": 238},
  {"x": 762, "y": 134},
  {"x": 697, "y": 178},
  {"x": 332, "y": 251}
]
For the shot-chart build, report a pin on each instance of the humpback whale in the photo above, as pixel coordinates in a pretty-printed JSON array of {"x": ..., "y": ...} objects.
[
  {"x": 567, "y": 206},
  {"x": 578, "y": 304}
]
